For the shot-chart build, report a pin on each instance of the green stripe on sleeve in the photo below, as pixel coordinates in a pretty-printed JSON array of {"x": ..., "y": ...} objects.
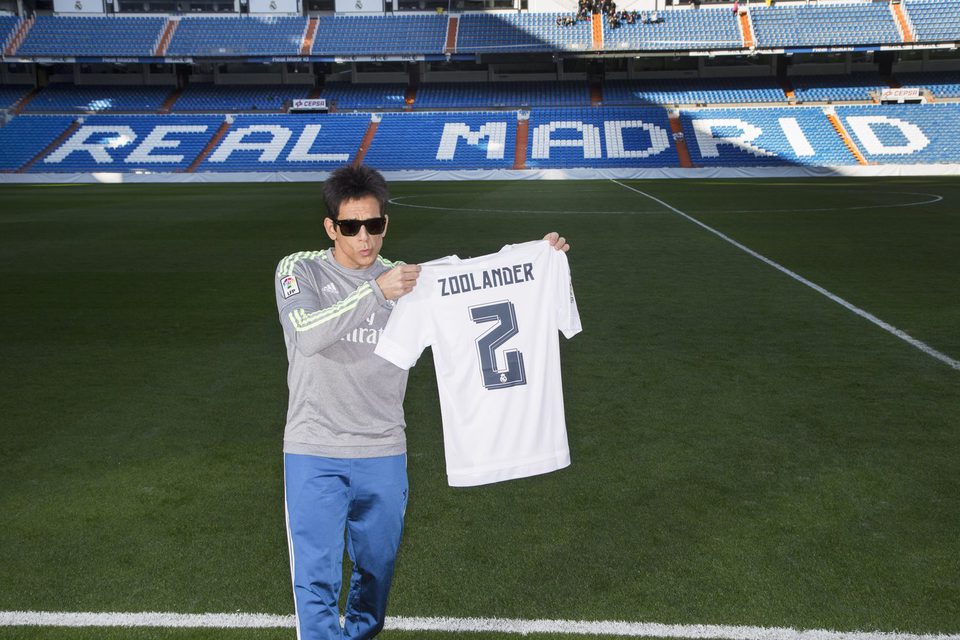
[
  {"x": 287, "y": 265},
  {"x": 303, "y": 321}
]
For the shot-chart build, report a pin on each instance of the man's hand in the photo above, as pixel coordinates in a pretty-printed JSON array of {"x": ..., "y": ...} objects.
[
  {"x": 399, "y": 281},
  {"x": 557, "y": 241}
]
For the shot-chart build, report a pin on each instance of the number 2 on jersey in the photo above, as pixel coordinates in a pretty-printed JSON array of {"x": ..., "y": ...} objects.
[{"x": 505, "y": 314}]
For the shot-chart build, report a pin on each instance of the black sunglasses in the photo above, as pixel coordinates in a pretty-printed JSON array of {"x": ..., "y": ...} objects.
[{"x": 375, "y": 226}]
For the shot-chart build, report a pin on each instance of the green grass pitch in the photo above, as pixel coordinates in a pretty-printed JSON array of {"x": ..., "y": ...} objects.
[{"x": 745, "y": 450}]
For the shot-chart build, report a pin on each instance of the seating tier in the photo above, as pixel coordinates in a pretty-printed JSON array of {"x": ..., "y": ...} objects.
[
  {"x": 93, "y": 36},
  {"x": 62, "y": 98},
  {"x": 231, "y": 98},
  {"x": 816, "y": 25},
  {"x": 561, "y": 138},
  {"x": 238, "y": 36}
]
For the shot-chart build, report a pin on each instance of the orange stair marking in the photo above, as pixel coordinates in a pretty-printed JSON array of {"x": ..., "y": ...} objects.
[
  {"x": 683, "y": 153},
  {"x": 520, "y": 147},
  {"x": 746, "y": 30},
  {"x": 597, "y": 24},
  {"x": 24, "y": 101},
  {"x": 787, "y": 90},
  {"x": 366, "y": 142},
  {"x": 903, "y": 25},
  {"x": 308, "y": 37},
  {"x": 167, "y": 36},
  {"x": 167, "y": 105},
  {"x": 596, "y": 94},
  {"x": 453, "y": 25},
  {"x": 19, "y": 36},
  {"x": 409, "y": 97},
  {"x": 847, "y": 140},
  {"x": 208, "y": 149}
]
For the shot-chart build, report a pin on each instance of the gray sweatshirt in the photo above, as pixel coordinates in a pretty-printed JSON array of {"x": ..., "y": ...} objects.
[{"x": 345, "y": 401}]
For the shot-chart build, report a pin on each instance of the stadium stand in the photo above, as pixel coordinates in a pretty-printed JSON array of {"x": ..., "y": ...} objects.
[
  {"x": 11, "y": 93},
  {"x": 693, "y": 91},
  {"x": 581, "y": 137},
  {"x": 313, "y": 142},
  {"x": 600, "y": 138},
  {"x": 455, "y": 95},
  {"x": 380, "y": 35},
  {"x": 856, "y": 86},
  {"x": 943, "y": 84},
  {"x": 345, "y": 95},
  {"x": 905, "y": 133},
  {"x": 788, "y": 25},
  {"x": 62, "y": 98},
  {"x": 238, "y": 35},
  {"x": 752, "y": 137},
  {"x": 132, "y": 143},
  {"x": 704, "y": 28},
  {"x": 25, "y": 136},
  {"x": 520, "y": 32},
  {"x": 445, "y": 141},
  {"x": 815, "y": 25},
  {"x": 934, "y": 20},
  {"x": 94, "y": 36},
  {"x": 231, "y": 98},
  {"x": 474, "y": 125}
]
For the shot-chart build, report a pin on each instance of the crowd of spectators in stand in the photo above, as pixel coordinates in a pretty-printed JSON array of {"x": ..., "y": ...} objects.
[{"x": 608, "y": 8}]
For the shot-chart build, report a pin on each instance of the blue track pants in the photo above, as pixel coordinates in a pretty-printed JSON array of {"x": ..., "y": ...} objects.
[{"x": 366, "y": 497}]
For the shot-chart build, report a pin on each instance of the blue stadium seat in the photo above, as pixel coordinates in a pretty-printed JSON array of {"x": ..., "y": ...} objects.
[
  {"x": 345, "y": 95},
  {"x": 10, "y": 94},
  {"x": 934, "y": 20},
  {"x": 63, "y": 98},
  {"x": 943, "y": 84},
  {"x": 389, "y": 34},
  {"x": 236, "y": 35},
  {"x": 704, "y": 28},
  {"x": 289, "y": 142},
  {"x": 520, "y": 32},
  {"x": 25, "y": 136},
  {"x": 815, "y": 25},
  {"x": 757, "y": 137},
  {"x": 838, "y": 88},
  {"x": 482, "y": 95},
  {"x": 693, "y": 91},
  {"x": 444, "y": 141},
  {"x": 132, "y": 143},
  {"x": 8, "y": 27},
  {"x": 93, "y": 36},
  {"x": 232, "y": 98},
  {"x": 600, "y": 138},
  {"x": 905, "y": 133}
]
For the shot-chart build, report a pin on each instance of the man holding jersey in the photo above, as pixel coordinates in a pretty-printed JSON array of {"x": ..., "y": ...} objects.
[{"x": 344, "y": 443}]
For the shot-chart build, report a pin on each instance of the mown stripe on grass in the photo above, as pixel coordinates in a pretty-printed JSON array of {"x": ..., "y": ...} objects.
[
  {"x": 866, "y": 315},
  {"x": 455, "y": 625}
]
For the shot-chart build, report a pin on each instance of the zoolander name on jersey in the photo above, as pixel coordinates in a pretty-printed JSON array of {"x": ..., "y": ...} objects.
[{"x": 499, "y": 277}]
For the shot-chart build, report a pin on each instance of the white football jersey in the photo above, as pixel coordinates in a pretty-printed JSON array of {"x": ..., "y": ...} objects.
[{"x": 492, "y": 324}]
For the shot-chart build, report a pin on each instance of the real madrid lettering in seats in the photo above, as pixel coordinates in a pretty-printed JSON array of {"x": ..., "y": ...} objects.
[{"x": 615, "y": 137}]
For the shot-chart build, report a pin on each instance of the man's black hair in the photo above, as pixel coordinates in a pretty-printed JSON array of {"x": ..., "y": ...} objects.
[{"x": 351, "y": 183}]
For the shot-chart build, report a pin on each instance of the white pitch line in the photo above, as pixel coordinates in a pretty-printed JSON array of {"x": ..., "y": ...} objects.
[
  {"x": 889, "y": 328},
  {"x": 143, "y": 619},
  {"x": 455, "y": 625}
]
